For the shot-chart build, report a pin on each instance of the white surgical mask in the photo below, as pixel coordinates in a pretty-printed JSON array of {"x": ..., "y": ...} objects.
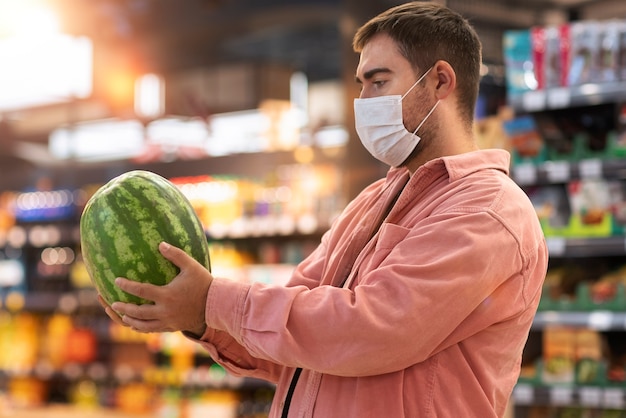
[{"x": 381, "y": 129}]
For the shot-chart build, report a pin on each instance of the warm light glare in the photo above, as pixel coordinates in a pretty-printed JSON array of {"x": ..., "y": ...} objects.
[
  {"x": 98, "y": 140},
  {"x": 39, "y": 64},
  {"x": 299, "y": 91},
  {"x": 11, "y": 273},
  {"x": 120, "y": 87},
  {"x": 44, "y": 70},
  {"x": 175, "y": 131},
  {"x": 27, "y": 18},
  {"x": 149, "y": 96}
]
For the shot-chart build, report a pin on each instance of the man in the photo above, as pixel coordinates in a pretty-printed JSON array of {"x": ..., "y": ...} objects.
[{"x": 419, "y": 299}]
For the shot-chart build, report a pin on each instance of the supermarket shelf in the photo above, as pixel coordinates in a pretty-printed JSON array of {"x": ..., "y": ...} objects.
[
  {"x": 597, "y": 320},
  {"x": 200, "y": 377},
  {"x": 558, "y": 172},
  {"x": 586, "y": 247},
  {"x": 570, "y": 395},
  {"x": 59, "y": 301},
  {"x": 564, "y": 97},
  {"x": 269, "y": 227}
]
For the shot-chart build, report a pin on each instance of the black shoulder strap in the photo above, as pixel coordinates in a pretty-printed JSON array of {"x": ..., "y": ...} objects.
[
  {"x": 292, "y": 388},
  {"x": 296, "y": 374}
]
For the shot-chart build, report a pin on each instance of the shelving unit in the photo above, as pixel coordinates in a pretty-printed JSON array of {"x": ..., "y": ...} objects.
[
  {"x": 589, "y": 94},
  {"x": 600, "y": 320},
  {"x": 570, "y": 396},
  {"x": 603, "y": 397},
  {"x": 551, "y": 172}
]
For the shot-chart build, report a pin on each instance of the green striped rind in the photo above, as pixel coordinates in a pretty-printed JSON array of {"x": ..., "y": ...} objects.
[{"x": 124, "y": 222}]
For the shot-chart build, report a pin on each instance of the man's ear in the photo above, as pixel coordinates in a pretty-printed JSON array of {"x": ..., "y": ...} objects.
[{"x": 446, "y": 79}]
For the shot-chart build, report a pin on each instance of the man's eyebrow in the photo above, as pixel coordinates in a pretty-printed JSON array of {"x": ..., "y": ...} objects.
[{"x": 371, "y": 73}]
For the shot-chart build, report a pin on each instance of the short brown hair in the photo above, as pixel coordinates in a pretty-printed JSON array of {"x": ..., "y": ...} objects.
[{"x": 426, "y": 33}]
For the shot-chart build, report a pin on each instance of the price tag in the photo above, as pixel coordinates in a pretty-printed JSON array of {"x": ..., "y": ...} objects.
[
  {"x": 43, "y": 370},
  {"x": 237, "y": 228},
  {"x": 556, "y": 245},
  {"x": 590, "y": 169},
  {"x": 590, "y": 396},
  {"x": 613, "y": 398},
  {"x": 525, "y": 174},
  {"x": 561, "y": 396},
  {"x": 559, "y": 98},
  {"x": 217, "y": 230},
  {"x": 72, "y": 370},
  {"x": 558, "y": 171},
  {"x": 600, "y": 320},
  {"x": 68, "y": 303},
  {"x": 534, "y": 100},
  {"x": 524, "y": 394},
  {"x": 550, "y": 317}
]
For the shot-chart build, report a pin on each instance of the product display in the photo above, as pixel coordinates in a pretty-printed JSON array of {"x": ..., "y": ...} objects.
[
  {"x": 568, "y": 155},
  {"x": 571, "y": 54}
]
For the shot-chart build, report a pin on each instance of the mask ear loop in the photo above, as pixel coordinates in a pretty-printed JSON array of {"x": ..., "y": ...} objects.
[
  {"x": 416, "y": 83},
  {"x": 427, "y": 116}
]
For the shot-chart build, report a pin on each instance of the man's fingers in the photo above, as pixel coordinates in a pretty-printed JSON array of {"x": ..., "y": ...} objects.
[
  {"x": 102, "y": 302},
  {"x": 143, "y": 312},
  {"x": 177, "y": 256},
  {"x": 141, "y": 318},
  {"x": 145, "y": 326},
  {"x": 114, "y": 316},
  {"x": 110, "y": 312},
  {"x": 143, "y": 290}
]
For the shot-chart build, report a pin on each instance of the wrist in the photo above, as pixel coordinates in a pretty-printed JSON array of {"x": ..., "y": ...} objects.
[
  {"x": 196, "y": 332},
  {"x": 199, "y": 330}
]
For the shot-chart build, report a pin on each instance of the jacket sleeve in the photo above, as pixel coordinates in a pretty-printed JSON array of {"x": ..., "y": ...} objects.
[
  {"x": 225, "y": 351},
  {"x": 233, "y": 356},
  {"x": 420, "y": 290}
]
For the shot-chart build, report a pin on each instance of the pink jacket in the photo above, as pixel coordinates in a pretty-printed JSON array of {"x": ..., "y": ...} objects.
[{"x": 437, "y": 311}]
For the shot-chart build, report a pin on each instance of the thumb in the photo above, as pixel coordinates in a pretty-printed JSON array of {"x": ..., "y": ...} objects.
[{"x": 177, "y": 256}]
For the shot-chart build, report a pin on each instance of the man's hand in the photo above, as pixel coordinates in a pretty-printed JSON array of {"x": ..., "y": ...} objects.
[
  {"x": 110, "y": 312},
  {"x": 178, "y": 306}
]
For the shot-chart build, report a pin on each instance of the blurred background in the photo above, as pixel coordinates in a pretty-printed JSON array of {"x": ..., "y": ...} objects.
[
  {"x": 246, "y": 105},
  {"x": 68, "y": 61}
]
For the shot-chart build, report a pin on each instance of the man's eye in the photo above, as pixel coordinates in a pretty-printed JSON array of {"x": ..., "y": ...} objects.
[{"x": 379, "y": 83}]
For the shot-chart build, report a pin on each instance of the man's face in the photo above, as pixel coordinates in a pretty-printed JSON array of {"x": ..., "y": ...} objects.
[{"x": 382, "y": 70}]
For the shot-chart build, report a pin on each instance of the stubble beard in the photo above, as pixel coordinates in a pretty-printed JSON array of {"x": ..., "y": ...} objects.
[{"x": 419, "y": 109}]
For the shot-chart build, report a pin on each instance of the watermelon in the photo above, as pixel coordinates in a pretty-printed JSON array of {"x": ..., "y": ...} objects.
[{"x": 122, "y": 225}]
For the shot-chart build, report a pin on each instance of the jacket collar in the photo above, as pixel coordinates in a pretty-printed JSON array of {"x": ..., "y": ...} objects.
[{"x": 460, "y": 165}]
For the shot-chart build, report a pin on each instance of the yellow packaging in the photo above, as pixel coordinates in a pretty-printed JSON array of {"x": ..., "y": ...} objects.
[{"x": 559, "y": 351}]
